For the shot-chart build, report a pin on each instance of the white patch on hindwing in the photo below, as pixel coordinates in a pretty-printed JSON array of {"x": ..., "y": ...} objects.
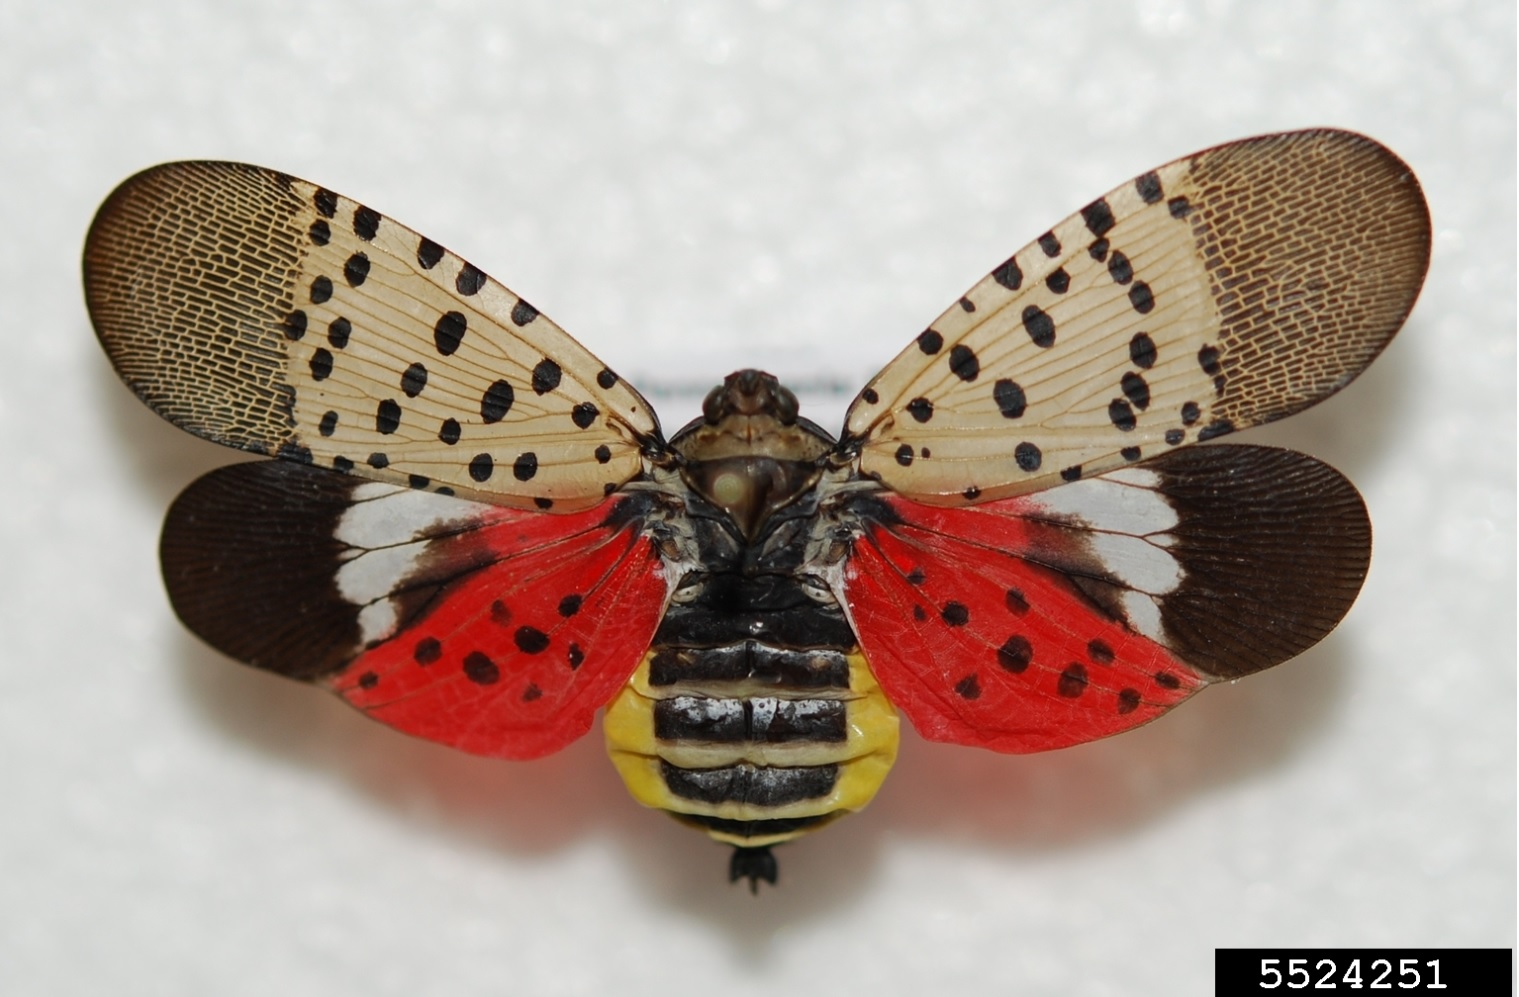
[
  {"x": 1125, "y": 522},
  {"x": 386, "y": 532}
]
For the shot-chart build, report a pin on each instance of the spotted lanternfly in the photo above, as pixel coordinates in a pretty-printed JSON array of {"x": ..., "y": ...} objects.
[{"x": 477, "y": 533}]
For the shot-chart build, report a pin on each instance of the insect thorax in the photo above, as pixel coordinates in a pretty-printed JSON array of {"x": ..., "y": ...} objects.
[{"x": 753, "y": 715}]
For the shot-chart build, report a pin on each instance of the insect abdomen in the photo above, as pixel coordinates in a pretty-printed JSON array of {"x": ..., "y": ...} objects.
[{"x": 753, "y": 743}]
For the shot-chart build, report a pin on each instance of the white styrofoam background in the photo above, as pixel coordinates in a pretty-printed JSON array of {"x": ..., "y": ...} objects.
[{"x": 690, "y": 188}]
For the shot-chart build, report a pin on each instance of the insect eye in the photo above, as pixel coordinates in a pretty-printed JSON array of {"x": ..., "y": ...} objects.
[{"x": 712, "y": 406}]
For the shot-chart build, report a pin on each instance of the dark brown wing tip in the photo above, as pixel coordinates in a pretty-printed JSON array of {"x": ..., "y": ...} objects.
[
  {"x": 188, "y": 276},
  {"x": 1317, "y": 244}
]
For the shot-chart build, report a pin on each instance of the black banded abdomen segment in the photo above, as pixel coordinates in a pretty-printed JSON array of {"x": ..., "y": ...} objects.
[
  {"x": 752, "y": 663},
  {"x": 752, "y": 785},
  {"x": 724, "y": 742},
  {"x": 764, "y": 719}
]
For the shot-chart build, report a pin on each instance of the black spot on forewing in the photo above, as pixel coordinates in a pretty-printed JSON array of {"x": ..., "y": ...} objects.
[
  {"x": 1028, "y": 456},
  {"x": 356, "y": 270},
  {"x": 449, "y": 332},
  {"x": 1149, "y": 188},
  {"x": 921, "y": 409},
  {"x": 428, "y": 254},
  {"x": 449, "y": 431},
  {"x": 321, "y": 365},
  {"x": 1098, "y": 217},
  {"x": 294, "y": 325},
  {"x": 523, "y": 313},
  {"x": 1010, "y": 399},
  {"x": 964, "y": 363},
  {"x": 414, "y": 380},
  {"x": 1059, "y": 281},
  {"x": 1008, "y": 274},
  {"x": 1121, "y": 414},
  {"x": 496, "y": 402},
  {"x": 1119, "y": 268},
  {"x": 546, "y": 376},
  {"x": 1142, "y": 298},
  {"x": 584, "y": 414},
  {"x": 525, "y": 466},
  {"x": 366, "y": 222},
  {"x": 387, "y": 417},
  {"x": 1039, "y": 325},
  {"x": 338, "y": 331},
  {"x": 930, "y": 341},
  {"x": 1136, "y": 390},
  {"x": 329, "y": 424},
  {"x": 1049, "y": 244},
  {"x": 469, "y": 281},
  {"x": 1142, "y": 350},
  {"x": 605, "y": 379},
  {"x": 326, "y": 202},
  {"x": 481, "y": 467},
  {"x": 321, "y": 290}
]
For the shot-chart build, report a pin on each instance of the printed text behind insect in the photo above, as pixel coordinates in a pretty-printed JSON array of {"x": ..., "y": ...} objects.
[{"x": 478, "y": 534}]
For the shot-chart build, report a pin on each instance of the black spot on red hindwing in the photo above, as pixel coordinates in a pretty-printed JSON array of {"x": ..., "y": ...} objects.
[
  {"x": 414, "y": 380},
  {"x": 1098, "y": 217},
  {"x": 916, "y": 576},
  {"x": 530, "y": 640},
  {"x": 1100, "y": 652},
  {"x": 449, "y": 332},
  {"x": 1073, "y": 681},
  {"x": 575, "y": 656},
  {"x": 570, "y": 605},
  {"x": 1167, "y": 681},
  {"x": 964, "y": 362},
  {"x": 469, "y": 281},
  {"x": 480, "y": 669},
  {"x": 1142, "y": 350},
  {"x": 531, "y": 693},
  {"x": 1128, "y": 701},
  {"x": 919, "y": 613},
  {"x": 338, "y": 331},
  {"x": 546, "y": 376},
  {"x": 955, "y": 614},
  {"x": 1015, "y": 654},
  {"x": 428, "y": 254},
  {"x": 368, "y": 680},
  {"x": 1028, "y": 456},
  {"x": 481, "y": 466},
  {"x": 1149, "y": 188},
  {"x": 1008, "y": 274},
  {"x": 356, "y": 270},
  {"x": 501, "y": 613},
  {"x": 523, "y": 313},
  {"x": 496, "y": 402},
  {"x": 1039, "y": 325},
  {"x": 1017, "y": 602},
  {"x": 427, "y": 651},
  {"x": 930, "y": 341},
  {"x": 921, "y": 409},
  {"x": 525, "y": 466},
  {"x": 366, "y": 222},
  {"x": 969, "y": 687}
]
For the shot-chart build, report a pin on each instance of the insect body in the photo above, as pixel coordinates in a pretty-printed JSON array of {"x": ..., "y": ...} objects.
[{"x": 478, "y": 534}]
